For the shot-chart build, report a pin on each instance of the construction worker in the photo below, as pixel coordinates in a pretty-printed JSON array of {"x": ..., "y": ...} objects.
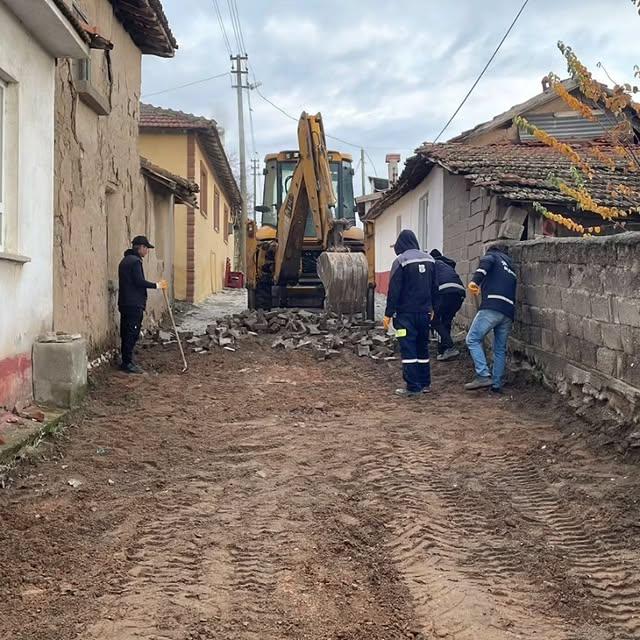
[
  {"x": 451, "y": 295},
  {"x": 132, "y": 299},
  {"x": 497, "y": 280},
  {"x": 410, "y": 300}
]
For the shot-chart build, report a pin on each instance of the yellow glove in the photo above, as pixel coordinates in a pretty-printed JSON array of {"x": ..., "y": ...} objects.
[
  {"x": 386, "y": 321},
  {"x": 162, "y": 284},
  {"x": 474, "y": 288}
]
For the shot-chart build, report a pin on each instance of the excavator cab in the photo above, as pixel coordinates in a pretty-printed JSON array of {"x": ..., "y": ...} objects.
[{"x": 304, "y": 248}]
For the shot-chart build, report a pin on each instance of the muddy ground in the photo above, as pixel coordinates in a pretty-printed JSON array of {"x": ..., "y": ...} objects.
[{"x": 268, "y": 495}]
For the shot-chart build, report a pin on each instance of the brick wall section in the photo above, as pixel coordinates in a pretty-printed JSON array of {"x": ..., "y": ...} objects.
[
  {"x": 191, "y": 221},
  {"x": 578, "y": 316}
]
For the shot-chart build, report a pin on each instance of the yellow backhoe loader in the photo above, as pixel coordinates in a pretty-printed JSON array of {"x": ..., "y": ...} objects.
[{"x": 308, "y": 251}]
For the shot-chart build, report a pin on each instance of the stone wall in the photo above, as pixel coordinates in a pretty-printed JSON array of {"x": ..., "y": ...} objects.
[
  {"x": 578, "y": 316},
  {"x": 472, "y": 217},
  {"x": 99, "y": 200}
]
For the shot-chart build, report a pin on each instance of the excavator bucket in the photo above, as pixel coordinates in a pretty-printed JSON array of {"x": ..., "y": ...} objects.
[{"x": 344, "y": 276}]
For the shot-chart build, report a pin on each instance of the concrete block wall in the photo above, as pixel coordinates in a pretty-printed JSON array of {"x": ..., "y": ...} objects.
[
  {"x": 578, "y": 316},
  {"x": 474, "y": 216}
]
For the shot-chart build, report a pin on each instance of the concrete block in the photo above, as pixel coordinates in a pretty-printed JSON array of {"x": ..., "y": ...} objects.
[
  {"x": 588, "y": 353},
  {"x": 475, "y": 221},
  {"x": 60, "y": 372},
  {"x": 548, "y": 341},
  {"x": 576, "y": 329},
  {"x": 511, "y": 230},
  {"x": 601, "y": 307},
  {"x": 592, "y": 332},
  {"x": 561, "y": 323},
  {"x": 563, "y": 279},
  {"x": 548, "y": 271},
  {"x": 611, "y": 335},
  {"x": 626, "y": 311},
  {"x": 576, "y": 302},
  {"x": 607, "y": 361},
  {"x": 490, "y": 231},
  {"x": 476, "y": 193},
  {"x": 516, "y": 214},
  {"x": 630, "y": 337},
  {"x": 477, "y": 207}
]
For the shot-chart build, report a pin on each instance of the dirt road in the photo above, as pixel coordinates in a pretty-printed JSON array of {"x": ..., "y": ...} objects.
[{"x": 267, "y": 495}]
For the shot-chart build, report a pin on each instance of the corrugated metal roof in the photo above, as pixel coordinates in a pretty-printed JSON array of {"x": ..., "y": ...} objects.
[{"x": 573, "y": 127}]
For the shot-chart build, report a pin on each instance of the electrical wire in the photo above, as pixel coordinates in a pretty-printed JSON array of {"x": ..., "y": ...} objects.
[
  {"x": 188, "y": 84},
  {"x": 373, "y": 164},
  {"x": 234, "y": 26},
  {"x": 233, "y": 8},
  {"x": 225, "y": 38},
  {"x": 486, "y": 66}
]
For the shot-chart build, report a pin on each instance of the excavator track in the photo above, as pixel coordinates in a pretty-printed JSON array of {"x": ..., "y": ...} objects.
[{"x": 344, "y": 276}]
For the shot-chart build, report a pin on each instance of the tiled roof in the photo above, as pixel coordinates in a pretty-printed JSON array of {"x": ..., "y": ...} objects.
[
  {"x": 147, "y": 24},
  {"x": 144, "y": 20},
  {"x": 517, "y": 172},
  {"x": 160, "y": 119},
  {"x": 183, "y": 189}
]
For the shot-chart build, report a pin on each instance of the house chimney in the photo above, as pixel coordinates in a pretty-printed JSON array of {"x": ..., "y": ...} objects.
[
  {"x": 545, "y": 83},
  {"x": 393, "y": 159}
]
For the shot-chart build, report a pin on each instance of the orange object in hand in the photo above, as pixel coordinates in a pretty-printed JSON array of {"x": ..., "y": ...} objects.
[
  {"x": 386, "y": 321},
  {"x": 162, "y": 284},
  {"x": 474, "y": 288}
]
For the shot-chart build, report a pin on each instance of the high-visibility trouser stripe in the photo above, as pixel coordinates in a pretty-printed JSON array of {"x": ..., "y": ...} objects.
[
  {"x": 482, "y": 271},
  {"x": 450, "y": 285},
  {"x": 497, "y": 297},
  {"x": 413, "y": 361},
  {"x": 423, "y": 361}
]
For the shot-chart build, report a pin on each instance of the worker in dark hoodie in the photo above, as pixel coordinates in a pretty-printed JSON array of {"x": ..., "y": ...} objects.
[
  {"x": 451, "y": 295},
  {"x": 497, "y": 280},
  {"x": 132, "y": 299},
  {"x": 410, "y": 300}
]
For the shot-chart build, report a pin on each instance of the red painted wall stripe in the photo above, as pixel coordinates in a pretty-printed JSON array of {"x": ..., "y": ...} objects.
[
  {"x": 382, "y": 282},
  {"x": 15, "y": 379}
]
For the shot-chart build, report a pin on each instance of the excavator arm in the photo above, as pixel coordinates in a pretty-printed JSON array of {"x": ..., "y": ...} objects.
[{"x": 311, "y": 189}]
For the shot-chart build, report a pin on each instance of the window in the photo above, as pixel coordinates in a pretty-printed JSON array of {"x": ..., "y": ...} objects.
[
  {"x": 423, "y": 222},
  {"x": 204, "y": 190},
  {"x": 3, "y": 88},
  {"x": 398, "y": 225},
  {"x": 227, "y": 223},
  {"x": 216, "y": 209}
]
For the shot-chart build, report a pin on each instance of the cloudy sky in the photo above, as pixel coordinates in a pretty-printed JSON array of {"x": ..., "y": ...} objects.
[{"x": 386, "y": 75}]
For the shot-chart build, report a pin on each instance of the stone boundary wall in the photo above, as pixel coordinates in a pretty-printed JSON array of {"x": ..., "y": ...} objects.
[{"x": 578, "y": 317}]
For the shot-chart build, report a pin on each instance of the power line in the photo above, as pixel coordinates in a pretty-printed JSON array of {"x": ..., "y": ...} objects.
[
  {"x": 486, "y": 66},
  {"x": 373, "y": 164},
  {"x": 234, "y": 26},
  {"x": 225, "y": 38},
  {"x": 188, "y": 84},
  {"x": 235, "y": 15}
]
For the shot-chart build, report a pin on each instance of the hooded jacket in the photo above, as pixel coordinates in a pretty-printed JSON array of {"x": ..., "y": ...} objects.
[
  {"x": 412, "y": 284},
  {"x": 498, "y": 281},
  {"x": 132, "y": 290},
  {"x": 448, "y": 280}
]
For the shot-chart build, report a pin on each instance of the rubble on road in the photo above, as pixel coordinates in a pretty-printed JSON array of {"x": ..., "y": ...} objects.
[{"x": 327, "y": 334}]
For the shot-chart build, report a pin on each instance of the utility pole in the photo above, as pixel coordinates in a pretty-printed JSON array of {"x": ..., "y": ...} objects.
[
  {"x": 238, "y": 67},
  {"x": 255, "y": 165},
  {"x": 362, "y": 172}
]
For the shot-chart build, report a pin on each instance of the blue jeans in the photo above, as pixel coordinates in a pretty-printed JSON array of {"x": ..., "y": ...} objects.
[{"x": 485, "y": 321}]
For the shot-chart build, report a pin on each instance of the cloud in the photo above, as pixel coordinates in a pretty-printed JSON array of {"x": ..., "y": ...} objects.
[{"x": 385, "y": 75}]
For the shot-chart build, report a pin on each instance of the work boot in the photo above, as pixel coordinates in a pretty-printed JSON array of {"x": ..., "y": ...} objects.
[
  {"x": 479, "y": 382},
  {"x": 131, "y": 368},
  {"x": 449, "y": 354},
  {"x": 426, "y": 390},
  {"x": 497, "y": 390},
  {"x": 405, "y": 393}
]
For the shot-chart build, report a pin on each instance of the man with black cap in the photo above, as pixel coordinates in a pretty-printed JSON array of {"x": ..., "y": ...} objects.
[
  {"x": 410, "y": 301},
  {"x": 132, "y": 299},
  {"x": 451, "y": 295}
]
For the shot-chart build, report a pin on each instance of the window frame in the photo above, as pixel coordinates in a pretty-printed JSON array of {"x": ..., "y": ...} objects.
[
  {"x": 216, "y": 208},
  {"x": 3, "y": 163},
  {"x": 204, "y": 190}
]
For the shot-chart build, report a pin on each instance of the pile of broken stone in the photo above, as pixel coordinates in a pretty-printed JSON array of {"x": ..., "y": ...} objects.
[{"x": 327, "y": 334}]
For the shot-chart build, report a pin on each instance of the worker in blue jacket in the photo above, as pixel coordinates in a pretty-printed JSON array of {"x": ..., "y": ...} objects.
[
  {"x": 451, "y": 295},
  {"x": 410, "y": 301},
  {"x": 496, "y": 279}
]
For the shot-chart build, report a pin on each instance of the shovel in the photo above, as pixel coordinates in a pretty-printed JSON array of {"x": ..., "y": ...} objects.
[{"x": 175, "y": 330}]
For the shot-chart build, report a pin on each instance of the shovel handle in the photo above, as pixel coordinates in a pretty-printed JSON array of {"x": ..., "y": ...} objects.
[{"x": 175, "y": 330}]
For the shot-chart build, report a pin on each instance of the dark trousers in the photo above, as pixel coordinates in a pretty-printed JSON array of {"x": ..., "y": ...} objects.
[
  {"x": 448, "y": 305},
  {"x": 130, "y": 323},
  {"x": 412, "y": 331}
]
